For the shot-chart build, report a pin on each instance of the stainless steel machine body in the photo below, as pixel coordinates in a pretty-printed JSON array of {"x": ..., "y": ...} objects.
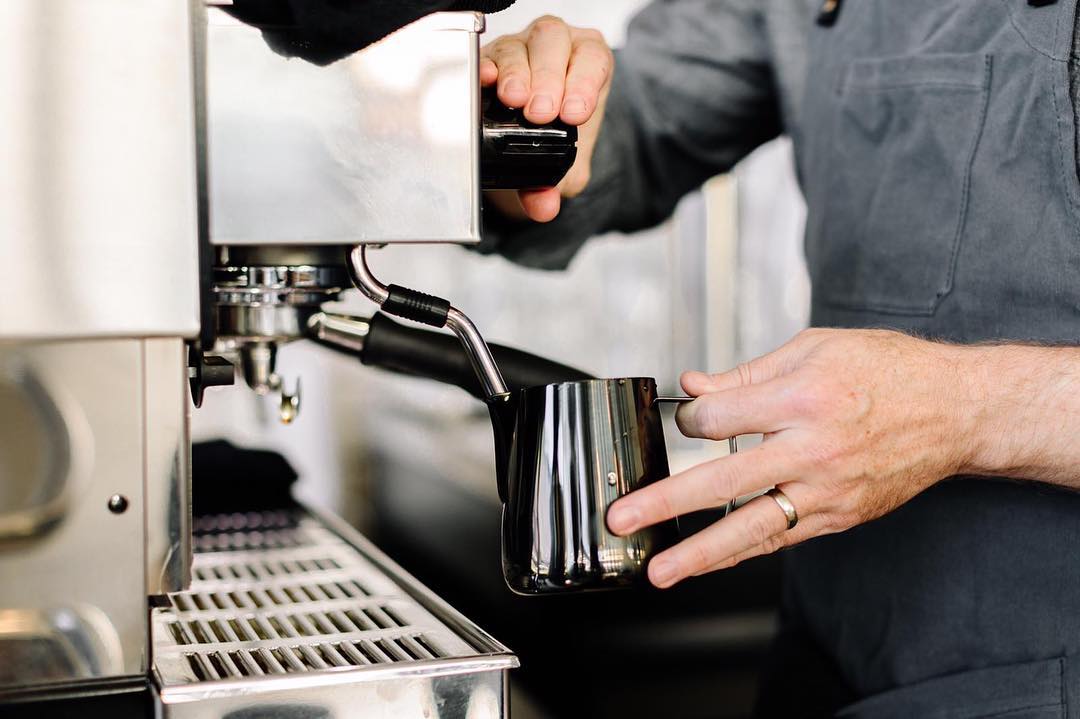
[
  {"x": 381, "y": 146},
  {"x": 93, "y": 503},
  {"x": 109, "y": 305},
  {"x": 98, "y": 220},
  {"x": 99, "y": 243}
]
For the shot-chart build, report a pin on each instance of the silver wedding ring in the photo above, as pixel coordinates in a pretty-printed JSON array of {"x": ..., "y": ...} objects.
[{"x": 785, "y": 504}]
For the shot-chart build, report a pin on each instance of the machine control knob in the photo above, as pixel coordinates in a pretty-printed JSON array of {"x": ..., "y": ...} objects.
[{"x": 207, "y": 371}]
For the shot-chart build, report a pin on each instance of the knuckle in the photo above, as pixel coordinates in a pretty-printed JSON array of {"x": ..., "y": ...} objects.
[
  {"x": 592, "y": 70},
  {"x": 506, "y": 53},
  {"x": 658, "y": 504},
  {"x": 823, "y": 455},
  {"x": 841, "y": 518},
  {"x": 507, "y": 74},
  {"x": 726, "y": 563},
  {"x": 545, "y": 24},
  {"x": 699, "y": 557},
  {"x": 759, "y": 530},
  {"x": 810, "y": 398},
  {"x": 774, "y": 544},
  {"x": 543, "y": 75},
  {"x": 591, "y": 34},
  {"x": 720, "y": 486},
  {"x": 594, "y": 50},
  {"x": 842, "y": 521}
]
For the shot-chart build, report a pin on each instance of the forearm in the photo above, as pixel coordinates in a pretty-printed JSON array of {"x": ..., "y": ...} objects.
[{"x": 1023, "y": 412}]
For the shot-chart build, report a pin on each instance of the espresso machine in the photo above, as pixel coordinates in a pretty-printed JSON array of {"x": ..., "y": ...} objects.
[{"x": 179, "y": 198}]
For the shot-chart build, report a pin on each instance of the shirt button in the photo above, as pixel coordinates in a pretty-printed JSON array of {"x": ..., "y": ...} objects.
[{"x": 829, "y": 11}]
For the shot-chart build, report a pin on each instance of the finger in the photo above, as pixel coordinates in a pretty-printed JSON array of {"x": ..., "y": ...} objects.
[
  {"x": 590, "y": 67},
  {"x": 549, "y": 54},
  {"x": 815, "y": 525},
  {"x": 511, "y": 60},
  {"x": 489, "y": 72},
  {"x": 758, "y": 370},
  {"x": 754, "y": 524},
  {"x": 541, "y": 205},
  {"x": 754, "y": 409},
  {"x": 711, "y": 484}
]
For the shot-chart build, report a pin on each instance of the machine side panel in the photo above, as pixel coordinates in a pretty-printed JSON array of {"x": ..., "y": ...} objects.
[
  {"x": 98, "y": 232},
  {"x": 168, "y": 466},
  {"x": 72, "y": 569}
]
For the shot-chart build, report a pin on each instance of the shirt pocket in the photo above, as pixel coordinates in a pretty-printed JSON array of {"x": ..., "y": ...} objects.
[
  {"x": 1031, "y": 690},
  {"x": 903, "y": 144}
]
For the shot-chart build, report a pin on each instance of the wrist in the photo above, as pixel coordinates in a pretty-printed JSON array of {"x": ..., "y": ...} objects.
[
  {"x": 1013, "y": 395},
  {"x": 962, "y": 382},
  {"x": 980, "y": 391}
]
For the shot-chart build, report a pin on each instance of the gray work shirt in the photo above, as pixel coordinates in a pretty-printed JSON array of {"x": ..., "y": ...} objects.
[{"x": 936, "y": 146}]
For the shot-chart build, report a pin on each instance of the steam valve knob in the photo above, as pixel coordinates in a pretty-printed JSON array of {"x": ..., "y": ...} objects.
[{"x": 518, "y": 155}]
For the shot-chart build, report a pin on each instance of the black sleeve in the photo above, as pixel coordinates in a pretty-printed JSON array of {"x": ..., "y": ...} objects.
[{"x": 322, "y": 31}]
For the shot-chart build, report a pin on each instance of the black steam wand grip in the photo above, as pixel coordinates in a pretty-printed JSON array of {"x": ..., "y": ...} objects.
[
  {"x": 386, "y": 344},
  {"x": 382, "y": 342},
  {"x": 433, "y": 311},
  {"x": 434, "y": 355}
]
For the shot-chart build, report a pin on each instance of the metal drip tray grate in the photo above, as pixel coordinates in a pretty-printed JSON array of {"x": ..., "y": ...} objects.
[{"x": 277, "y": 595}]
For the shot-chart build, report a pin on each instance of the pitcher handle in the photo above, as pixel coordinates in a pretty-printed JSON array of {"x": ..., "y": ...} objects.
[{"x": 732, "y": 443}]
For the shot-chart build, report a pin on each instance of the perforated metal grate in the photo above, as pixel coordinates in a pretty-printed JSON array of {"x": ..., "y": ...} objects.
[{"x": 276, "y": 594}]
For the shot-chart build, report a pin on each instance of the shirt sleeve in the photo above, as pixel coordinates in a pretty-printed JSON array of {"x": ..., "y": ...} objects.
[{"x": 692, "y": 94}]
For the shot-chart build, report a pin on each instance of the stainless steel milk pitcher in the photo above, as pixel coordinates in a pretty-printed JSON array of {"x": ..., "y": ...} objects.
[{"x": 579, "y": 446}]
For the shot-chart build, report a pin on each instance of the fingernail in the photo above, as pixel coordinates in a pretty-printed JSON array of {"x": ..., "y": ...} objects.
[
  {"x": 514, "y": 87},
  {"x": 541, "y": 105},
  {"x": 622, "y": 519},
  {"x": 662, "y": 572},
  {"x": 574, "y": 106}
]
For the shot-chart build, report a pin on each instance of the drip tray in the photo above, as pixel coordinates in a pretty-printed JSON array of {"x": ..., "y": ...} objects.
[{"x": 296, "y": 615}]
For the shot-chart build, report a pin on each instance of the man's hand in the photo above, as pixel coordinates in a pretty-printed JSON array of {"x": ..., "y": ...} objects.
[
  {"x": 553, "y": 71},
  {"x": 855, "y": 423}
]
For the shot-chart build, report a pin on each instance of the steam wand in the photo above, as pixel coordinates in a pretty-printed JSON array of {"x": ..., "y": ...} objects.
[{"x": 433, "y": 311}]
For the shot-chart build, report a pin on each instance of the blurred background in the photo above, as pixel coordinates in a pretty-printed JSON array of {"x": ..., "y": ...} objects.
[{"x": 410, "y": 462}]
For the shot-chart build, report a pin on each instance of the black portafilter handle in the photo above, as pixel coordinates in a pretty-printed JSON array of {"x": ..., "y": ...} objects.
[
  {"x": 516, "y": 154},
  {"x": 434, "y": 355}
]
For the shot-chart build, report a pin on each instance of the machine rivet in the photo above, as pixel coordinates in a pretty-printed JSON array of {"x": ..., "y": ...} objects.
[
  {"x": 612, "y": 478},
  {"x": 118, "y": 504}
]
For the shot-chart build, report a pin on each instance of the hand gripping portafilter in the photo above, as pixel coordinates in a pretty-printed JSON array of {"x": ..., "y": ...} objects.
[{"x": 566, "y": 445}]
